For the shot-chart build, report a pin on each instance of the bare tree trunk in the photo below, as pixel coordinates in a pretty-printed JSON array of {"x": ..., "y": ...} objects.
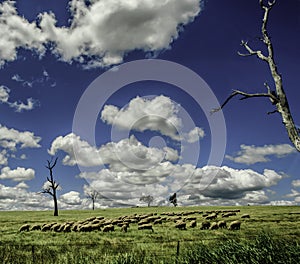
[
  {"x": 55, "y": 203},
  {"x": 53, "y": 185},
  {"x": 277, "y": 97}
]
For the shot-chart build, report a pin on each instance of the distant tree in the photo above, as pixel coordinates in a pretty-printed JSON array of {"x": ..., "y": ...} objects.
[
  {"x": 173, "y": 199},
  {"x": 277, "y": 96},
  {"x": 147, "y": 199},
  {"x": 50, "y": 187},
  {"x": 92, "y": 195}
]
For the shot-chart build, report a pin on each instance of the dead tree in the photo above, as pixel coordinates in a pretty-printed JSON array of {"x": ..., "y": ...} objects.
[
  {"x": 147, "y": 199},
  {"x": 277, "y": 96},
  {"x": 51, "y": 185},
  {"x": 92, "y": 195},
  {"x": 173, "y": 199}
]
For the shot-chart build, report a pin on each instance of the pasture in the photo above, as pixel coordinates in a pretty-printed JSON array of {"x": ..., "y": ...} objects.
[{"x": 268, "y": 234}]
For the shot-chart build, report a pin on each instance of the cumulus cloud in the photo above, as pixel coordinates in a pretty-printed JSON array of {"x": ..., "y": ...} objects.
[
  {"x": 18, "y": 174},
  {"x": 229, "y": 183},
  {"x": 296, "y": 183},
  {"x": 18, "y": 106},
  {"x": 10, "y": 138},
  {"x": 125, "y": 155},
  {"x": 157, "y": 114},
  {"x": 71, "y": 198},
  {"x": 20, "y": 198},
  {"x": 100, "y": 33},
  {"x": 193, "y": 186},
  {"x": 254, "y": 154}
]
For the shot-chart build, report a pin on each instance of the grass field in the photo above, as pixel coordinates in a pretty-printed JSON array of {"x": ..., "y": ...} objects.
[{"x": 270, "y": 234}]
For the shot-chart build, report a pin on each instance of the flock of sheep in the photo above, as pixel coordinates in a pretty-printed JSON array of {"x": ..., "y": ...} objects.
[{"x": 181, "y": 221}]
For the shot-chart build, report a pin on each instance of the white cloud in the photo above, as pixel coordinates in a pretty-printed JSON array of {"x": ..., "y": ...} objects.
[
  {"x": 103, "y": 32},
  {"x": 10, "y": 138},
  {"x": 254, "y": 154},
  {"x": 71, "y": 198},
  {"x": 4, "y": 94},
  {"x": 293, "y": 193},
  {"x": 44, "y": 78},
  {"x": 282, "y": 203},
  {"x": 296, "y": 183},
  {"x": 228, "y": 186},
  {"x": 125, "y": 155},
  {"x": 195, "y": 134},
  {"x": 18, "y": 106},
  {"x": 18, "y": 174},
  {"x": 157, "y": 114},
  {"x": 19, "y": 198},
  {"x": 22, "y": 185},
  {"x": 3, "y": 157}
]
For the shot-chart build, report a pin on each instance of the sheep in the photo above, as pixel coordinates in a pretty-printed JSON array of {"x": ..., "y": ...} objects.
[
  {"x": 245, "y": 216},
  {"x": 124, "y": 228},
  {"x": 146, "y": 226},
  {"x": 222, "y": 224},
  {"x": 180, "y": 225},
  {"x": 84, "y": 228},
  {"x": 193, "y": 224},
  {"x": 24, "y": 228},
  {"x": 205, "y": 225},
  {"x": 55, "y": 227},
  {"x": 47, "y": 227},
  {"x": 36, "y": 227},
  {"x": 214, "y": 226},
  {"x": 211, "y": 217},
  {"x": 108, "y": 228},
  {"x": 67, "y": 227},
  {"x": 235, "y": 225},
  {"x": 228, "y": 214},
  {"x": 157, "y": 221}
]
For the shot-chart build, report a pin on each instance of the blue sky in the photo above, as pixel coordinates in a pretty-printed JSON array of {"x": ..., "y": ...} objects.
[{"x": 153, "y": 134}]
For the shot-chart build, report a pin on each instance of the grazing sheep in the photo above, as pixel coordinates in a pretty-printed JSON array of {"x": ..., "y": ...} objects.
[
  {"x": 245, "y": 216},
  {"x": 211, "y": 217},
  {"x": 205, "y": 225},
  {"x": 124, "y": 228},
  {"x": 214, "y": 226},
  {"x": 108, "y": 228},
  {"x": 67, "y": 228},
  {"x": 228, "y": 214},
  {"x": 146, "y": 226},
  {"x": 36, "y": 227},
  {"x": 235, "y": 225},
  {"x": 55, "y": 227},
  {"x": 90, "y": 219},
  {"x": 24, "y": 228},
  {"x": 180, "y": 225},
  {"x": 46, "y": 227},
  {"x": 222, "y": 224},
  {"x": 193, "y": 224},
  {"x": 157, "y": 221}
]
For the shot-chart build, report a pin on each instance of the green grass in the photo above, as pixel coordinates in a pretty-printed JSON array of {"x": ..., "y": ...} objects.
[{"x": 259, "y": 237}]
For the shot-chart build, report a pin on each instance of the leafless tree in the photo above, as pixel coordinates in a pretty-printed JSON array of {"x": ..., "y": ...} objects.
[
  {"x": 92, "y": 195},
  {"x": 51, "y": 185},
  {"x": 277, "y": 97},
  {"x": 173, "y": 199},
  {"x": 147, "y": 199}
]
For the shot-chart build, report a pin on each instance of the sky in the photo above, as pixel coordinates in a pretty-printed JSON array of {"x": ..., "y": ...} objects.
[{"x": 121, "y": 92}]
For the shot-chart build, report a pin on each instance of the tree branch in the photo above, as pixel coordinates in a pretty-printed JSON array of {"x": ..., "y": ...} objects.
[
  {"x": 277, "y": 97},
  {"x": 244, "y": 96}
]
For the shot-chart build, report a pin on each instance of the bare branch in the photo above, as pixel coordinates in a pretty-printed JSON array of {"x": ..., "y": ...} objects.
[
  {"x": 273, "y": 112},
  {"x": 244, "y": 96},
  {"x": 252, "y": 52}
]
